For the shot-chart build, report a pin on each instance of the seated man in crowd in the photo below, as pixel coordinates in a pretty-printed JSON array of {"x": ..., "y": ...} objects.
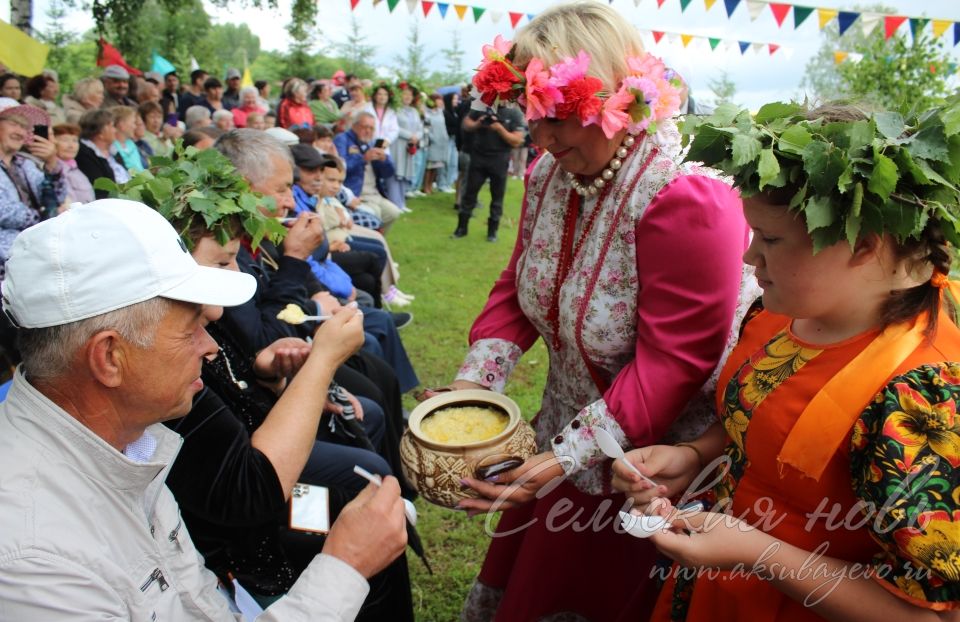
[
  {"x": 116, "y": 86},
  {"x": 111, "y": 311},
  {"x": 367, "y": 167}
]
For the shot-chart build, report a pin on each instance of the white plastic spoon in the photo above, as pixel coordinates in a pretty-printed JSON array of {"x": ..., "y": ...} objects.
[
  {"x": 643, "y": 526},
  {"x": 611, "y": 448},
  {"x": 409, "y": 510}
]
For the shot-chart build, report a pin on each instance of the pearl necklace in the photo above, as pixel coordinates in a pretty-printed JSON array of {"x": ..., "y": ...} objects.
[{"x": 591, "y": 189}]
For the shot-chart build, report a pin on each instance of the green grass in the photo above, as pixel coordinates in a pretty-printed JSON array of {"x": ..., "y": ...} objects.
[{"x": 451, "y": 279}]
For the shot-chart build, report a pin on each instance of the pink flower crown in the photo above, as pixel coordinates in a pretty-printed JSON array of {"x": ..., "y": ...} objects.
[{"x": 649, "y": 94}]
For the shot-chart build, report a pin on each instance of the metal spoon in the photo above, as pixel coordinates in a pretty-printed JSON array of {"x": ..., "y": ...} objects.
[{"x": 611, "y": 448}]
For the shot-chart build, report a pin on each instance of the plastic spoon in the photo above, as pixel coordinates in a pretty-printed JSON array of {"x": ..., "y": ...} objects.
[
  {"x": 611, "y": 448},
  {"x": 310, "y": 318},
  {"x": 409, "y": 510}
]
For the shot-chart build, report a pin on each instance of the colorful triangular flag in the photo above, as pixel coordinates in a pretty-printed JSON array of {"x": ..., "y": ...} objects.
[
  {"x": 757, "y": 46},
  {"x": 686, "y": 39},
  {"x": 110, "y": 55},
  {"x": 714, "y": 42},
  {"x": 530, "y": 16},
  {"x": 194, "y": 65},
  {"x": 891, "y": 23},
  {"x": 442, "y": 7},
  {"x": 868, "y": 22},
  {"x": 755, "y": 7},
  {"x": 392, "y": 4},
  {"x": 353, "y": 4},
  {"x": 247, "y": 79},
  {"x": 956, "y": 33},
  {"x": 826, "y": 16},
  {"x": 839, "y": 57},
  {"x": 461, "y": 10},
  {"x": 773, "y": 47},
  {"x": 709, "y": 3},
  {"x": 515, "y": 19},
  {"x": 744, "y": 46},
  {"x": 779, "y": 11},
  {"x": 917, "y": 24},
  {"x": 161, "y": 65},
  {"x": 657, "y": 35},
  {"x": 412, "y": 6},
  {"x": 660, "y": 3},
  {"x": 845, "y": 19},
  {"x": 477, "y": 13},
  {"x": 800, "y": 14},
  {"x": 684, "y": 4},
  {"x": 940, "y": 26},
  {"x": 426, "y": 7},
  {"x": 731, "y": 6},
  {"x": 495, "y": 16}
]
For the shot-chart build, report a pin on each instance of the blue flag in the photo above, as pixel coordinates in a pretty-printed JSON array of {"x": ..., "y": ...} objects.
[{"x": 161, "y": 65}]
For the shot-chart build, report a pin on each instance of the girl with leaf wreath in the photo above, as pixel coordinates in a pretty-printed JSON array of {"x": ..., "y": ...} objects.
[
  {"x": 628, "y": 267},
  {"x": 835, "y": 462}
]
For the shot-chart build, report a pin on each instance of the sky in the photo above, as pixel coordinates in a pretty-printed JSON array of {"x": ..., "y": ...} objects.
[{"x": 759, "y": 76}]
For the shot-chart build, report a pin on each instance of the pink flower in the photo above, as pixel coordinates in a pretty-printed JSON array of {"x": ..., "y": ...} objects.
[
  {"x": 646, "y": 66},
  {"x": 580, "y": 98},
  {"x": 668, "y": 101},
  {"x": 570, "y": 69},
  {"x": 612, "y": 116},
  {"x": 498, "y": 51},
  {"x": 540, "y": 96}
]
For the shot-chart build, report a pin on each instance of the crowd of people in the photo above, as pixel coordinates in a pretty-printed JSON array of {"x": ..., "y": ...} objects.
[{"x": 777, "y": 348}]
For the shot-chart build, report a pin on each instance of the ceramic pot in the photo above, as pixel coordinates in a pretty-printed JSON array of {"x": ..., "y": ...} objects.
[{"x": 435, "y": 469}]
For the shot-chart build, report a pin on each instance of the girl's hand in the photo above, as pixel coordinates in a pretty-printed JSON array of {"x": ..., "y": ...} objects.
[
  {"x": 513, "y": 488},
  {"x": 671, "y": 467},
  {"x": 709, "y": 539}
]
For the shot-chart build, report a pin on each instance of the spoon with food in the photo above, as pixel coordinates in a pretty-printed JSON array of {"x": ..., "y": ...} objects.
[{"x": 292, "y": 314}]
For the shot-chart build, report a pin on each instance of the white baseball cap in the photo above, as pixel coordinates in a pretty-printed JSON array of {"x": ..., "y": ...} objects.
[{"x": 104, "y": 256}]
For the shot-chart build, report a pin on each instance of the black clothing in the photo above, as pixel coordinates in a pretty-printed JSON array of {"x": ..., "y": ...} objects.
[{"x": 94, "y": 167}]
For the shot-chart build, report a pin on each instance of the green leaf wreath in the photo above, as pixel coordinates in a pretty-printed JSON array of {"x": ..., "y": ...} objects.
[
  {"x": 201, "y": 187},
  {"x": 882, "y": 174}
]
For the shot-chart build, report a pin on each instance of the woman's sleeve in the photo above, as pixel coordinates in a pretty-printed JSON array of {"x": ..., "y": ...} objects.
[
  {"x": 501, "y": 333},
  {"x": 690, "y": 243},
  {"x": 391, "y": 127},
  {"x": 905, "y": 467},
  {"x": 218, "y": 475}
]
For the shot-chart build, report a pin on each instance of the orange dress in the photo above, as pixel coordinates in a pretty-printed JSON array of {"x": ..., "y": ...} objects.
[{"x": 909, "y": 426}]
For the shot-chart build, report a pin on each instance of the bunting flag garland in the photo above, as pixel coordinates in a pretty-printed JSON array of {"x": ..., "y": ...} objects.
[
  {"x": 744, "y": 46},
  {"x": 940, "y": 26},
  {"x": 868, "y": 22},
  {"x": 755, "y": 7},
  {"x": 461, "y": 10},
  {"x": 826, "y": 16},
  {"x": 773, "y": 48},
  {"x": 477, "y": 12},
  {"x": 686, "y": 39},
  {"x": 917, "y": 24},
  {"x": 392, "y": 4},
  {"x": 657, "y": 35},
  {"x": 846, "y": 19},
  {"x": 780, "y": 12},
  {"x": 426, "y": 7},
  {"x": 515, "y": 19},
  {"x": 684, "y": 4},
  {"x": 891, "y": 23},
  {"x": 714, "y": 42},
  {"x": 442, "y": 7},
  {"x": 800, "y": 14},
  {"x": 731, "y": 6},
  {"x": 709, "y": 4}
]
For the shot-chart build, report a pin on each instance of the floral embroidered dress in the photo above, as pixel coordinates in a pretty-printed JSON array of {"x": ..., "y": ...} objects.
[
  {"x": 650, "y": 301},
  {"x": 888, "y": 497}
]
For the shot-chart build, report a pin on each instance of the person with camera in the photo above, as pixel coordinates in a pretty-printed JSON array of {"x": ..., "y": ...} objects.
[
  {"x": 495, "y": 134},
  {"x": 28, "y": 191}
]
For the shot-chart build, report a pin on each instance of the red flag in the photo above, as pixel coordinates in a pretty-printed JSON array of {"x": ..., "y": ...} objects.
[
  {"x": 426, "y": 7},
  {"x": 515, "y": 19},
  {"x": 660, "y": 3},
  {"x": 110, "y": 55},
  {"x": 353, "y": 4},
  {"x": 780, "y": 12},
  {"x": 773, "y": 48},
  {"x": 657, "y": 35},
  {"x": 891, "y": 23}
]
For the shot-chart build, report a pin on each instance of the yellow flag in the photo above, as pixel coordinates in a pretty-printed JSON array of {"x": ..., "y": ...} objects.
[
  {"x": 686, "y": 39},
  {"x": 825, "y": 16},
  {"x": 461, "y": 10},
  {"x": 709, "y": 3},
  {"x": 839, "y": 57},
  {"x": 20, "y": 53},
  {"x": 246, "y": 80},
  {"x": 940, "y": 26}
]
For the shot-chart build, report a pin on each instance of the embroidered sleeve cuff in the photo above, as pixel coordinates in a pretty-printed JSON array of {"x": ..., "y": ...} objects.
[
  {"x": 490, "y": 362},
  {"x": 576, "y": 441}
]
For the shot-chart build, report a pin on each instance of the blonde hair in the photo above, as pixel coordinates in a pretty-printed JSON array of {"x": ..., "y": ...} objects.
[
  {"x": 121, "y": 113},
  {"x": 564, "y": 29},
  {"x": 86, "y": 86}
]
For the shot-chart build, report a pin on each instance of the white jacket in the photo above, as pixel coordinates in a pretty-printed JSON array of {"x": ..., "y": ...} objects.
[{"x": 86, "y": 533}]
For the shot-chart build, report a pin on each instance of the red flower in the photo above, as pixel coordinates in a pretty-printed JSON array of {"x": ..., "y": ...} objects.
[
  {"x": 495, "y": 80},
  {"x": 580, "y": 98}
]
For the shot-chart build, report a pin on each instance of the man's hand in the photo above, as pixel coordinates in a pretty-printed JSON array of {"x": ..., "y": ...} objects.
[
  {"x": 304, "y": 236},
  {"x": 375, "y": 154},
  {"x": 371, "y": 530},
  {"x": 340, "y": 336}
]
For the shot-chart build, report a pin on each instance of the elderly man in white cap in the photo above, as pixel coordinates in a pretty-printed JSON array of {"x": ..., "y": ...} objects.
[
  {"x": 116, "y": 83},
  {"x": 28, "y": 191},
  {"x": 111, "y": 310}
]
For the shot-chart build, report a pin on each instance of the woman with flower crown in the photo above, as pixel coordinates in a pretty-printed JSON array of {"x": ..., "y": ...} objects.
[
  {"x": 835, "y": 463},
  {"x": 628, "y": 265}
]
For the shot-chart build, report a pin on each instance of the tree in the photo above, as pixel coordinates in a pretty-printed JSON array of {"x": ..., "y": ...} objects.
[
  {"x": 896, "y": 73},
  {"x": 454, "y": 56},
  {"x": 232, "y": 44},
  {"x": 355, "y": 51},
  {"x": 21, "y": 15},
  {"x": 303, "y": 22},
  {"x": 58, "y": 37},
  {"x": 723, "y": 89},
  {"x": 412, "y": 65}
]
